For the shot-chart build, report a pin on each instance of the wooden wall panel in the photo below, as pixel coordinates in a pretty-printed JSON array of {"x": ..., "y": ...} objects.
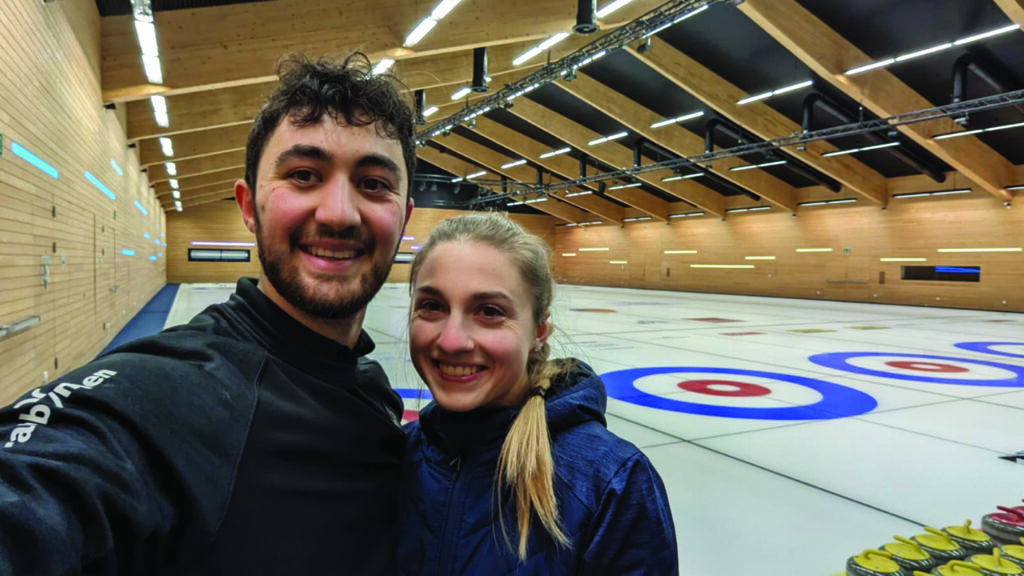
[
  {"x": 54, "y": 110},
  {"x": 858, "y": 236}
]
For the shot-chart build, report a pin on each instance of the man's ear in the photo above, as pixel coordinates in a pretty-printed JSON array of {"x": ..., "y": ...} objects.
[{"x": 243, "y": 196}]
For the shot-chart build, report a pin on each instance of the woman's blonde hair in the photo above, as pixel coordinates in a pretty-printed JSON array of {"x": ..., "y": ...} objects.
[{"x": 526, "y": 464}]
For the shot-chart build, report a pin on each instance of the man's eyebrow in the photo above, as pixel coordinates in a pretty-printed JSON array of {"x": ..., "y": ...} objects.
[
  {"x": 305, "y": 151},
  {"x": 379, "y": 161}
]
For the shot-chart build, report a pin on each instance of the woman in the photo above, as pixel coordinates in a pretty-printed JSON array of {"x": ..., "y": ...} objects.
[{"x": 511, "y": 469}]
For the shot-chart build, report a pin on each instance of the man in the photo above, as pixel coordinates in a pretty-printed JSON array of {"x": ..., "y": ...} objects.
[{"x": 257, "y": 439}]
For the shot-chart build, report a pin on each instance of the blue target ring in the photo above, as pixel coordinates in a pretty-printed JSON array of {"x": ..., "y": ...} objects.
[
  {"x": 414, "y": 393},
  {"x": 986, "y": 348},
  {"x": 840, "y": 361},
  {"x": 836, "y": 402}
]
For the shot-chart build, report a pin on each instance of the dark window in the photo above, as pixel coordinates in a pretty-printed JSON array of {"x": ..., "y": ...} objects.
[
  {"x": 942, "y": 273},
  {"x": 207, "y": 255}
]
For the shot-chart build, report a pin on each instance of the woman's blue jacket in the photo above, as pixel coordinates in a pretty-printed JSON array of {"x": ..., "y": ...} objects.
[{"x": 611, "y": 501}]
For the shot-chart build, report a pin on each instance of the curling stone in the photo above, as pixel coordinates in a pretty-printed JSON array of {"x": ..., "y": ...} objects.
[
  {"x": 972, "y": 540},
  {"x": 1006, "y": 527},
  {"x": 909, "y": 554},
  {"x": 940, "y": 545},
  {"x": 873, "y": 563},
  {"x": 995, "y": 565}
]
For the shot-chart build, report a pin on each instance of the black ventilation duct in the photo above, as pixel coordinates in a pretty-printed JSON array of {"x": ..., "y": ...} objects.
[
  {"x": 586, "y": 17},
  {"x": 479, "y": 83}
]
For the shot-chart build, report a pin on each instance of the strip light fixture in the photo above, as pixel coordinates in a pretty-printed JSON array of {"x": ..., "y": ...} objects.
[
  {"x": 428, "y": 23},
  {"x": 458, "y": 94},
  {"x": 600, "y": 249},
  {"x": 621, "y": 186},
  {"x": 1015, "y": 187},
  {"x": 145, "y": 31},
  {"x": 159, "y": 104},
  {"x": 127, "y": 252},
  {"x": 27, "y": 155},
  {"x": 759, "y": 257},
  {"x": 902, "y": 259},
  {"x": 556, "y": 152},
  {"x": 609, "y": 8},
  {"x": 932, "y": 50},
  {"x": 686, "y": 215},
  {"x": 677, "y": 119},
  {"x": 519, "y": 162},
  {"x": 723, "y": 266},
  {"x": 580, "y": 193},
  {"x": 536, "y": 50},
  {"x": 770, "y": 93},
  {"x": 475, "y": 174},
  {"x": 824, "y": 202},
  {"x": 686, "y": 16},
  {"x": 637, "y": 219},
  {"x": 166, "y": 146},
  {"x": 177, "y": 205},
  {"x": 762, "y": 165},
  {"x": 811, "y": 250},
  {"x": 172, "y": 168},
  {"x": 935, "y": 193},
  {"x": 949, "y": 135},
  {"x": 99, "y": 185},
  {"x": 141, "y": 209},
  {"x": 536, "y": 200},
  {"x": 604, "y": 139},
  {"x": 967, "y": 250},
  {"x": 855, "y": 150},
  {"x": 750, "y": 209},
  {"x": 176, "y": 194},
  {"x": 173, "y": 182},
  {"x": 680, "y": 252},
  {"x": 618, "y": 262},
  {"x": 383, "y": 65},
  {"x": 430, "y": 111},
  {"x": 682, "y": 177},
  {"x": 116, "y": 168}
]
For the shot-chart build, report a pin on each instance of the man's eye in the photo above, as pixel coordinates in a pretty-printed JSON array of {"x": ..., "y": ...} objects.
[
  {"x": 375, "y": 185},
  {"x": 303, "y": 176}
]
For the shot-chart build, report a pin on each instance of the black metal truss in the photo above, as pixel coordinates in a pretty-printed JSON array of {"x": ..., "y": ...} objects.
[
  {"x": 651, "y": 22},
  {"x": 959, "y": 109}
]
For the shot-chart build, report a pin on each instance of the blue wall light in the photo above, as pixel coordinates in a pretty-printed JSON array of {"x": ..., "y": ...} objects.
[
  {"x": 128, "y": 252},
  {"x": 34, "y": 160},
  {"x": 116, "y": 167},
  {"x": 141, "y": 209},
  {"x": 153, "y": 258},
  {"x": 99, "y": 185}
]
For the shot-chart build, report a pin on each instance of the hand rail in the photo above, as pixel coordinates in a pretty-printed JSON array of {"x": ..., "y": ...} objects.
[{"x": 15, "y": 327}]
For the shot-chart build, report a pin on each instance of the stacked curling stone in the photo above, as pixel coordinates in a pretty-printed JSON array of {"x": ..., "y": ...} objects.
[
  {"x": 1007, "y": 526},
  {"x": 931, "y": 551}
]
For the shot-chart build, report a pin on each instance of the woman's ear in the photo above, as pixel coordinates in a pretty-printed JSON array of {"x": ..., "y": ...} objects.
[{"x": 544, "y": 328}]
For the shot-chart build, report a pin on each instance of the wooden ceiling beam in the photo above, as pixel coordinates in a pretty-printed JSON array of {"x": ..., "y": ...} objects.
[
  {"x": 219, "y": 46},
  {"x": 1013, "y": 8},
  {"x": 613, "y": 154},
  {"x": 651, "y": 205},
  {"x": 198, "y": 111},
  {"x": 830, "y": 56},
  {"x": 199, "y": 166},
  {"x": 191, "y": 199},
  {"x": 197, "y": 191},
  {"x": 675, "y": 138},
  {"x": 191, "y": 182},
  {"x": 758, "y": 118},
  {"x": 195, "y": 144}
]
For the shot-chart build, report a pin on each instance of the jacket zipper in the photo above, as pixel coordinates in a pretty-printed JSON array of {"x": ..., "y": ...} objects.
[{"x": 444, "y": 559}]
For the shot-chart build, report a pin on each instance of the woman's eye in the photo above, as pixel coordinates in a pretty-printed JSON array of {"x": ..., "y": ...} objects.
[
  {"x": 428, "y": 306},
  {"x": 491, "y": 312}
]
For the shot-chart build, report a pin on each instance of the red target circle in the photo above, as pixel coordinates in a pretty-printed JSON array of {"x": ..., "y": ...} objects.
[
  {"x": 410, "y": 415},
  {"x": 926, "y": 366},
  {"x": 744, "y": 389}
]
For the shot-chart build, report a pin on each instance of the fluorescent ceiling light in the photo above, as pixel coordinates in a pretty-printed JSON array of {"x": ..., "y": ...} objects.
[
  {"x": 750, "y": 99},
  {"x": 855, "y": 150},
  {"x": 604, "y": 139},
  {"x": 902, "y": 259},
  {"x": 475, "y": 174},
  {"x": 516, "y": 203},
  {"x": 759, "y": 257},
  {"x": 159, "y": 104},
  {"x": 682, "y": 177},
  {"x": 609, "y": 8},
  {"x": 618, "y": 262},
  {"x": 146, "y": 33},
  {"x": 752, "y": 166},
  {"x": 636, "y": 219},
  {"x": 964, "y": 250},
  {"x": 750, "y": 209},
  {"x": 1016, "y": 187},
  {"x": 723, "y": 266},
  {"x": 784, "y": 90},
  {"x": 682, "y": 118},
  {"x": 176, "y": 194},
  {"x": 553, "y": 40},
  {"x": 535, "y": 200},
  {"x": 457, "y": 180},
  {"x": 173, "y": 182},
  {"x": 514, "y": 164},
  {"x": 166, "y": 146},
  {"x": 977, "y": 131},
  {"x": 430, "y": 111},
  {"x": 824, "y": 202},
  {"x": 872, "y": 66},
  {"x": 580, "y": 193},
  {"x": 988, "y": 34},
  {"x": 680, "y": 252},
  {"x": 442, "y": 9},
  {"x": 686, "y": 215},
  {"x": 621, "y": 186},
  {"x": 419, "y": 32},
  {"x": 813, "y": 250},
  {"x": 935, "y": 193},
  {"x": 177, "y": 205},
  {"x": 458, "y": 94},
  {"x": 223, "y": 244},
  {"x": 172, "y": 168},
  {"x": 924, "y": 52},
  {"x": 592, "y": 249},
  {"x": 689, "y": 14},
  {"x": 569, "y": 254},
  {"x": 592, "y": 223},
  {"x": 525, "y": 56},
  {"x": 151, "y": 65},
  {"x": 555, "y": 152},
  {"x": 383, "y": 66},
  {"x": 590, "y": 59}
]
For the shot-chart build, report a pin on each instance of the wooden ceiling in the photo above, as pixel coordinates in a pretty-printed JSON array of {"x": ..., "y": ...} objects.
[{"x": 218, "y": 63}]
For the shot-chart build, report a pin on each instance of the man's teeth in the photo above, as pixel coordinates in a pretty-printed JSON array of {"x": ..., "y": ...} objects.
[
  {"x": 325, "y": 253},
  {"x": 458, "y": 370}
]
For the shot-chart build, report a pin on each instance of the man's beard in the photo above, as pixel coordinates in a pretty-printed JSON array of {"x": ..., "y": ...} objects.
[{"x": 330, "y": 298}]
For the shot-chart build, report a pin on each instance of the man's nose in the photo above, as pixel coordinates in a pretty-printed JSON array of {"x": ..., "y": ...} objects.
[{"x": 338, "y": 205}]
